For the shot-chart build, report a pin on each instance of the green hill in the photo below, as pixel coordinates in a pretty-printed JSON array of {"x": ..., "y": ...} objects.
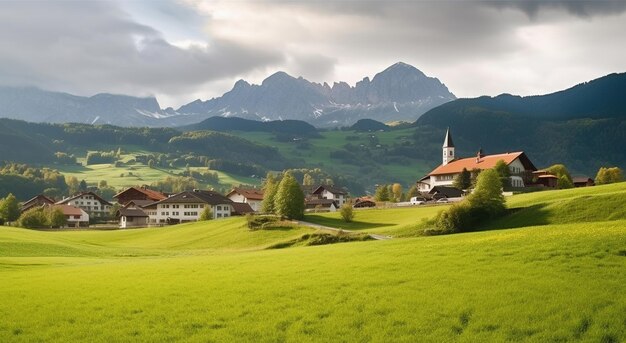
[{"x": 558, "y": 280}]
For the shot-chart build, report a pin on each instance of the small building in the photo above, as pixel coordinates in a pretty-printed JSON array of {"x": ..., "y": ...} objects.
[
  {"x": 90, "y": 202},
  {"x": 583, "y": 181},
  {"x": 364, "y": 202},
  {"x": 36, "y": 201},
  {"x": 132, "y": 217},
  {"x": 321, "y": 205},
  {"x": 545, "y": 179},
  {"x": 138, "y": 193},
  {"x": 75, "y": 216},
  {"x": 450, "y": 193},
  {"x": 241, "y": 208},
  {"x": 331, "y": 193},
  {"x": 188, "y": 206},
  {"x": 251, "y": 196}
]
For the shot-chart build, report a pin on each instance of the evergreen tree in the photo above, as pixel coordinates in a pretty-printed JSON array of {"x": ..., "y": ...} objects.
[
  {"x": 463, "y": 180},
  {"x": 82, "y": 186},
  {"x": 269, "y": 193},
  {"x": 9, "y": 208},
  {"x": 289, "y": 200},
  {"x": 381, "y": 193}
]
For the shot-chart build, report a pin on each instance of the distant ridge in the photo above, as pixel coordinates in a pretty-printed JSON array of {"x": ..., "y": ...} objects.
[{"x": 296, "y": 127}]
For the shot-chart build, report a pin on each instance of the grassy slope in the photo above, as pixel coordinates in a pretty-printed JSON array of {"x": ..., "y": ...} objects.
[
  {"x": 318, "y": 155},
  {"x": 210, "y": 282},
  {"x": 550, "y": 283},
  {"x": 93, "y": 174}
]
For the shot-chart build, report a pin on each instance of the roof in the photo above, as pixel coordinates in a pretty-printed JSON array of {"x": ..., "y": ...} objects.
[
  {"x": 131, "y": 212},
  {"x": 248, "y": 193},
  {"x": 485, "y": 162},
  {"x": 69, "y": 210},
  {"x": 241, "y": 208},
  {"x": 320, "y": 202},
  {"x": 331, "y": 189},
  {"x": 195, "y": 196},
  {"x": 448, "y": 192},
  {"x": 140, "y": 203},
  {"x": 80, "y": 195},
  {"x": 151, "y": 194},
  {"x": 41, "y": 197},
  {"x": 581, "y": 179},
  {"x": 447, "y": 142},
  {"x": 547, "y": 176}
]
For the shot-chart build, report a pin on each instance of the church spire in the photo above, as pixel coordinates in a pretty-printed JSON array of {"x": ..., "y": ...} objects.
[
  {"x": 447, "y": 143},
  {"x": 448, "y": 148}
]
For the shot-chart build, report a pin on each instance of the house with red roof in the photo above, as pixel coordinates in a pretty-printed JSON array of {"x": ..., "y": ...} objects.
[
  {"x": 519, "y": 164},
  {"x": 138, "y": 193}
]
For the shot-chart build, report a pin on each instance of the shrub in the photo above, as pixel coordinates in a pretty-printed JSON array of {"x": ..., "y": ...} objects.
[
  {"x": 207, "y": 214},
  {"x": 33, "y": 218},
  {"x": 347, "y": 212},
  {"x": 261, "y": 222}
]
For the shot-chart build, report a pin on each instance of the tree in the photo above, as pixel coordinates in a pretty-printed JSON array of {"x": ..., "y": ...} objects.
[
  {"x": 269, "y": 193},
  {"x": 55, "y": 217},
  {"x": 9, "y": 208},
  {"x": 347, "y": 212},
  {"x": 307, "y": 180},
  {"x": 503, "y": 172},
  {"x": 151, "y": 164},
  {"x": 397, "y": 191},
  {"x": 609, "y": 175},
  {"x": 474, "y": 177},
  {"x": 33, "y": 218},
  {"x": 559, "y": 170},
  {"x": 487, "y": 195},
  {"x": 82, "y": 186},
  {"x": 72, "y": 185},
  {"x": 563, "y": 182},
  {"x": 412, "y": 192},
  {"x": 289, "y": 201},
  {"x": 103, "y": 184},
  {"x": 207, "y": 213},
  {"x": 381, "y": 193},
  {"x": 390, "y": 196},
  {"x": 463, "y": 180}
]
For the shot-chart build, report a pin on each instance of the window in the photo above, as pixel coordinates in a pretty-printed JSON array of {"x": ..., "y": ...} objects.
[
  {"x": 219, "y": 208},
  {"x": 219, "y": 215}
]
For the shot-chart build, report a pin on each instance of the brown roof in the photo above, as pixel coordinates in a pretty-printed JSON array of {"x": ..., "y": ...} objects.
[
  {"x": 248, "y": 193},
  {"x": 547, "y": 176},
  {"x": 241, "y": 208},
  {"x": 69, "y": 210},
  {"x": 197, "y": 196},
  {"x": 131, "y": 212},
  {"x": 154, "y": 195},
  {"x": 140, "y": 203},
  {"x": 312, "y": 203},
  {"x": 484, "y": 162},
  {"x": 581, "y": 179}
]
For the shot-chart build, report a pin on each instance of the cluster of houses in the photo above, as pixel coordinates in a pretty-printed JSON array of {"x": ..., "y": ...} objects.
[{"x": 142, "y": 206}]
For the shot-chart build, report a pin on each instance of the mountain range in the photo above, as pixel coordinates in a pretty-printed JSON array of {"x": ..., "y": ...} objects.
[{"x": 399, "y": 93}]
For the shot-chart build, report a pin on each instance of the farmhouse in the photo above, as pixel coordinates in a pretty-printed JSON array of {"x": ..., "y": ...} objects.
[
  {"x": 321, "y": 205},
  {"x": 37, "y": 201},
  {"x": 583, "y": 181},
  {"x": 139, "y": 193},
  {"x": 188, "y": 206},
  {"x": 520, "y": 166},
  {"x": 75, "y": 216},
  {"x": 250, "y": 196},
  {"x": 331, "y": 193},
  {"x": 90, "y": 202}
]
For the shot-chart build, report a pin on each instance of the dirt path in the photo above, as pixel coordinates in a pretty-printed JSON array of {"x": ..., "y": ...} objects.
[{"x": 322, "y": 227}]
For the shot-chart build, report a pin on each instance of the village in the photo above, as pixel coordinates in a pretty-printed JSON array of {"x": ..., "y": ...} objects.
[{"x": 141, "y": 206}]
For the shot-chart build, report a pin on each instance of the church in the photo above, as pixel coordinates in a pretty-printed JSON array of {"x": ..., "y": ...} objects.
[{"x": 520, "y": 166}]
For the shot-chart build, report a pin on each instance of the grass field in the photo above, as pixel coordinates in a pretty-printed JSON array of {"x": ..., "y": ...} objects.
[
  {"x": 217, "y": 281},
  {"x": 318, "y": 155},
  {"x": 140, "y": 174}
]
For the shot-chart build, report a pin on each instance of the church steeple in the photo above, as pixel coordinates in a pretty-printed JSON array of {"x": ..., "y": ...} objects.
[{"x": 448, "y": 148}]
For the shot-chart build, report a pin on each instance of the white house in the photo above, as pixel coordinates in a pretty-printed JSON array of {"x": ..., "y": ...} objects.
[
  {"x": 90, "y": 202},
  {"x": 250, "y": 196},
  {"x": 520, "y": 166},
  {"x": 76, "y": 217},
  {"x": 188, "y": 206},
  {"x": 331, "y": 193}
]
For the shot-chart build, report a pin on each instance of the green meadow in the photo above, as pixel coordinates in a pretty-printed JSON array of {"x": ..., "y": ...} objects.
[{"x": 557, "y": 279}]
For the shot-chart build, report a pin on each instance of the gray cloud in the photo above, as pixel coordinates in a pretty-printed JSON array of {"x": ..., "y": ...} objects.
[
  {"x": 579, "y": 8},
  {"x": 87, "y": 47}
]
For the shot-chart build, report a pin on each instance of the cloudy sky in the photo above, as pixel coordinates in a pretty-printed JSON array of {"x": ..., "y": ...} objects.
[{"x": 181, "y": 50}]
